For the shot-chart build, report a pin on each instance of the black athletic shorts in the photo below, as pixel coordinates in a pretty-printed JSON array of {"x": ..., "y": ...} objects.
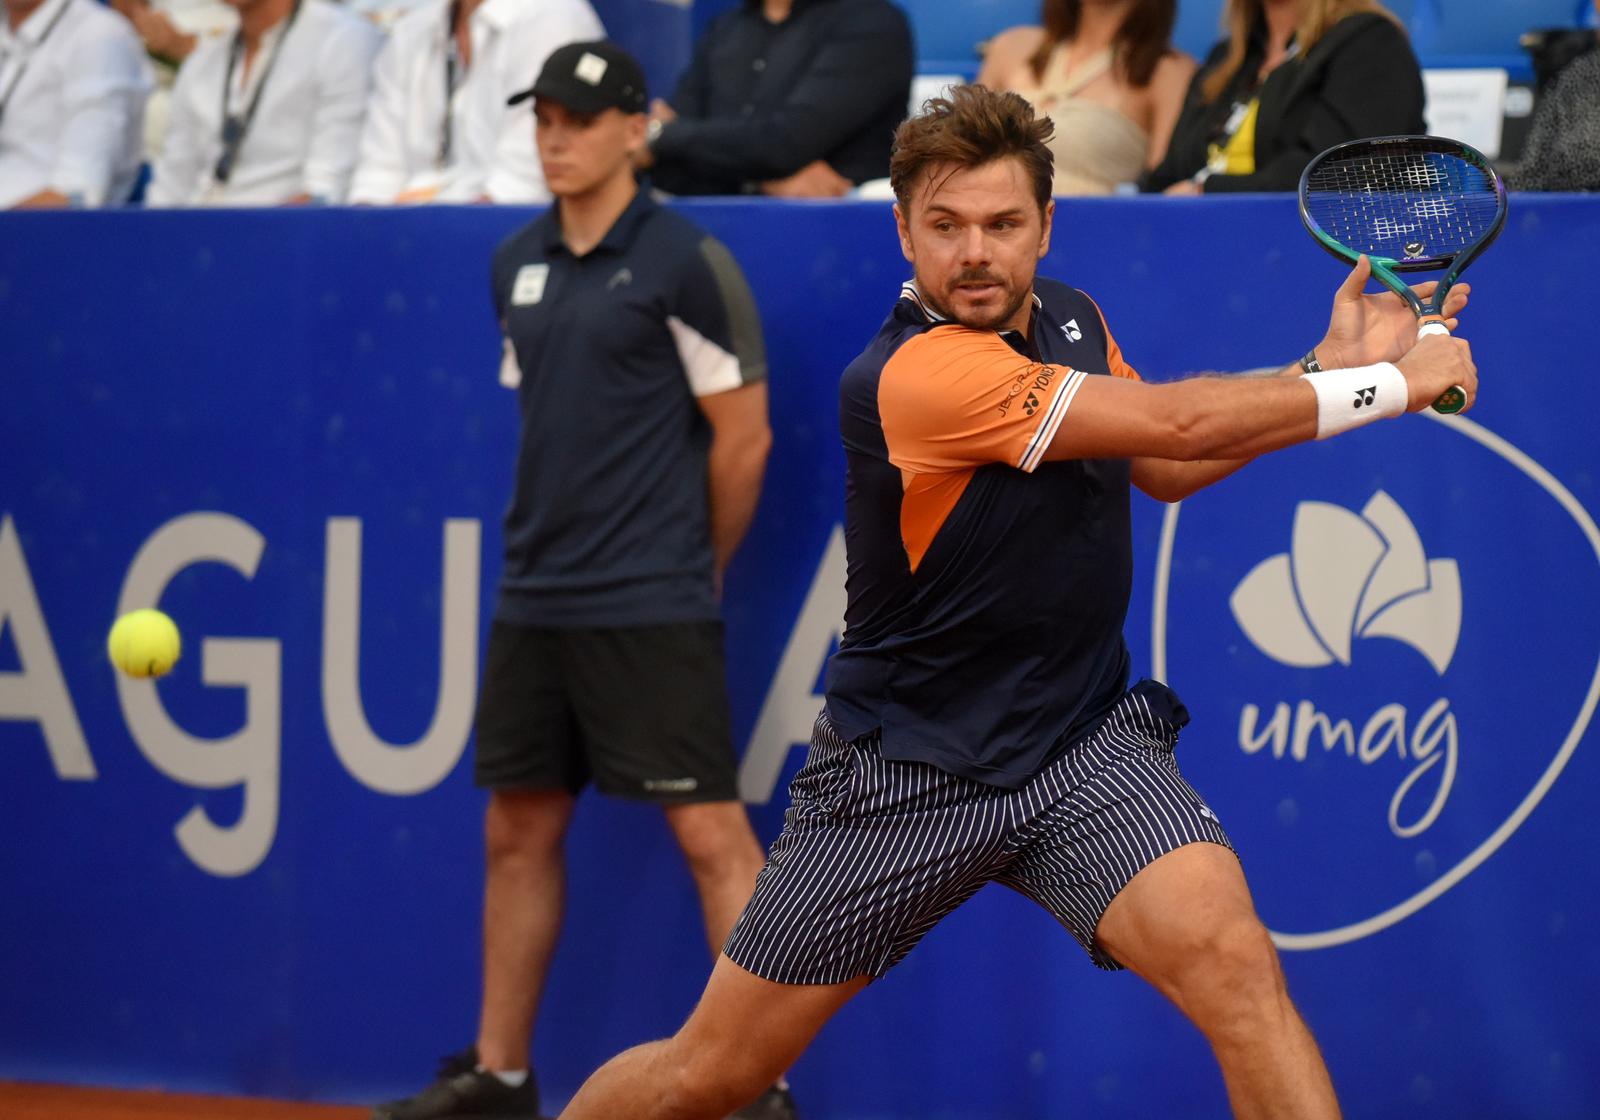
[
  {"x": 874, "y": 852},
  {"x": 642, "y": 711}
]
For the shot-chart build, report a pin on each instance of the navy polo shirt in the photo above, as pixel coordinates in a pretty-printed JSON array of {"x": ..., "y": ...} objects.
[
  {"x": 609, "y": 522},
  {"x": 986, "y": 586}
]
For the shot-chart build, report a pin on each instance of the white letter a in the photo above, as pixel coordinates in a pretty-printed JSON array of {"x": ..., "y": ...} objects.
[
  {"x": 791, "y": 707},
  {"x": 38, "y": 692}
]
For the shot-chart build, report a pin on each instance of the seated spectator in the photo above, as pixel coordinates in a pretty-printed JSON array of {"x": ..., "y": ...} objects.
[
  {"x": 1107, "y": 75},
  {"x": 1292, "y": 78},
  {"x": 1563, "y": 148},
  {"x": 798, "y": 98},
  {"x": 171, "y": 29},
  {"x": 73, "y": 82},
  {"x": 271, "y": 114},
  {"x": 437, "y": 126}
]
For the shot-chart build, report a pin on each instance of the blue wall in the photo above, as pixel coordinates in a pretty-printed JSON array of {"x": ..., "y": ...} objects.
[{"x": 320, "y": 379}]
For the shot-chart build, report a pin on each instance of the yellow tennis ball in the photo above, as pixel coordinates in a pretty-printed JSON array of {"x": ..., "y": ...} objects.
[{"x": 144, "y": 643}]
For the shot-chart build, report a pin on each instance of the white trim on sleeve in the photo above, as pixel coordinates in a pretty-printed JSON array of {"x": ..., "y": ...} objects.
[
  {"x": 1051, "y": 420},
  {"x": 710, "y": 368}
]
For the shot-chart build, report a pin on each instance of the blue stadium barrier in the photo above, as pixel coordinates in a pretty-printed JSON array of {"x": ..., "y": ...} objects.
[{"x": 262, "y": 874}]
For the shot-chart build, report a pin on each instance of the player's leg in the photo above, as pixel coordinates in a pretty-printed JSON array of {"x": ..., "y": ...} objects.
[
  {"x": 872, "y": 855},
  {"x": 1186, "y": 924},
  {"x": 1131, "y": 860},
  {"x": 744, "y": 1033},
  {"x": 528, "y": 758}
]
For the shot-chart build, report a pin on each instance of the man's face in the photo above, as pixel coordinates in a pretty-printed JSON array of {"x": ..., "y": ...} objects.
[
  {"x": 974, "y": 236},
  {"x": 581, "y": 151}
]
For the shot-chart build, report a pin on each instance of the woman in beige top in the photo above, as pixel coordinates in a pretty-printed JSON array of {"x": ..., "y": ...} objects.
[{"x": 1106, "y": 73}]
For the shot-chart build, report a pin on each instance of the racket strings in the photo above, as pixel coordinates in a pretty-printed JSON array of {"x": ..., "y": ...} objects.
[{"x": 1403, "y": 202}]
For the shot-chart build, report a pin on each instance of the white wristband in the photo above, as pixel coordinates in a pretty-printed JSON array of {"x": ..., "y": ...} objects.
[{"x": 1349, "y": 398}]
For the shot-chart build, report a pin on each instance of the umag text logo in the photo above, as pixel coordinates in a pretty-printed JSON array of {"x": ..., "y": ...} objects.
[{"x": 1390, "y": 645}]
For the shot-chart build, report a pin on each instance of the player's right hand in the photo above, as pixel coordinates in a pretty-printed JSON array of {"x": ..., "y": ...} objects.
[{"x": 1435, "y": 364}]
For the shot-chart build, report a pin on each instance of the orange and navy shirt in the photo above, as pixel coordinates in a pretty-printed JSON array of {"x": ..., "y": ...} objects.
[{"x": 986, "y": 587}]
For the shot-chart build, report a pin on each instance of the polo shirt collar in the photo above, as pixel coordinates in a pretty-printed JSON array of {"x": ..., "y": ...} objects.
[
  {"x": 911, "y": 295},
  {"x": 617, "y": 238}
]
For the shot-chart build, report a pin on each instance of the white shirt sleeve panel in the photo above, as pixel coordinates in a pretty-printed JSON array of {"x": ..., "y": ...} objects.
[
  {"x": 344, "y": 70},
  {"x": 709, "y": 367}
]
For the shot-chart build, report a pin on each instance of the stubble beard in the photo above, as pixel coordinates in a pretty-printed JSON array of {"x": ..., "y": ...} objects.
[{"x": 977, "y": 320}]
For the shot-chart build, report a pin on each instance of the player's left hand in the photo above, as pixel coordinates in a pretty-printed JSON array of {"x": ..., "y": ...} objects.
[{"x": 1378, "y": 327}]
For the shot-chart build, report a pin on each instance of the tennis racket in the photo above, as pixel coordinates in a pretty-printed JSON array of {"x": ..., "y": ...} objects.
[{"x": 1411, "y": 204}]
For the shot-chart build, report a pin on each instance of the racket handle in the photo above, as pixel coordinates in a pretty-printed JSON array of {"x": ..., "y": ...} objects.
[{"x": 1453, "y": 399}]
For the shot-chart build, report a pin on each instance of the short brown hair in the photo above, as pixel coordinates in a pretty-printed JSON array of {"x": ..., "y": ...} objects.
[{"x": 969, "y": 128}]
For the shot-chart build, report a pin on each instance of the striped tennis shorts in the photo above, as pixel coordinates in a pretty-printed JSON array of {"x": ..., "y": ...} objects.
[{"x": 874, "y": 852}]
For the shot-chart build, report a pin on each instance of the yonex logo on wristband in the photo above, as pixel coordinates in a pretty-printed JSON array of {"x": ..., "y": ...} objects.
[{"x": 1364, "y": 396}]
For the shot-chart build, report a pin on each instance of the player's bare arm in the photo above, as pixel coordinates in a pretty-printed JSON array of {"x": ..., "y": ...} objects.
[{"x": 1363, "y": 329}]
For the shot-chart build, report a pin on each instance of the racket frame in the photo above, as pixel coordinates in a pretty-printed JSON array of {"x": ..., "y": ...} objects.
[{"x": 1387, "y": 270}]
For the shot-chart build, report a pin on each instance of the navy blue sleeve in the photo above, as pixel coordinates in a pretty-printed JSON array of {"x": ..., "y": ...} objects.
[{"x": 715, "y": 324}]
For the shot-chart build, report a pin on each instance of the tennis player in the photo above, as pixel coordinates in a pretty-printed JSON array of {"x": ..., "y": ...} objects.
[{"x": 979, "y": 726}]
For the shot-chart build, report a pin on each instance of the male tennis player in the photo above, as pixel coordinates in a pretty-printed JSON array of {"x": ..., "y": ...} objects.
[
  {"x": 979, "y": 726},
  {"x": 636, "y": 352}
]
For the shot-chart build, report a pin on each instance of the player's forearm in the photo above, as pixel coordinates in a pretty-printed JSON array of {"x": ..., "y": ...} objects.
[
  {"x": 734, "y": 471},
  {"x": 1169, "y": 480}
]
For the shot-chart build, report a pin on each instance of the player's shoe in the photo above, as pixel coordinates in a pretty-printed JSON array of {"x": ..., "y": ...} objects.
[
  {"x": 774, "y": 1104},
  {"x": 464, "y": 1092}
]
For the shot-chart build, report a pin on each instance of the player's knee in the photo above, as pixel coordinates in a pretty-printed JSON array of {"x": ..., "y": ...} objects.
[
  {"x": 524, "y": 825},
  {"x": 1233, "y": 979},
  {"x": 713, "y": 1081}
]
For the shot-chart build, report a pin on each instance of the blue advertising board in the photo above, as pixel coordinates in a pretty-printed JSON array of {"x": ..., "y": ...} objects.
[{"x": 262, "y": 874}]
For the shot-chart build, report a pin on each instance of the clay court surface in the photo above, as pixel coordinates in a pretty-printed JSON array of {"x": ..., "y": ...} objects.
[{"x": 59, "y": 1102}]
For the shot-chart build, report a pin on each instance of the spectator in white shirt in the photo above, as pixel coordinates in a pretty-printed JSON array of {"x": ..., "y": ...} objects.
[
  {"x": 73, "y": 82},
  {"x": 437, "y": 126},
  {"x": 270, "y": 115}
]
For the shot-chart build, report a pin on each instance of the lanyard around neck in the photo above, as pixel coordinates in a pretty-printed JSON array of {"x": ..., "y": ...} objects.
[
  {"x": 235, "y": 127},
  {"x": 452, "y": 68},
  {"x": 27, "y": 57}
]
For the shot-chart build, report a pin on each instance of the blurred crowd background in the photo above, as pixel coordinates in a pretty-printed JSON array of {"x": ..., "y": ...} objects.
[{"x": 180, "y": 103}]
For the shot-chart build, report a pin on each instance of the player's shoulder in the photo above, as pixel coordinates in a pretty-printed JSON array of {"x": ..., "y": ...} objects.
[
  {"x": 1056, "y": 298},
  {"x": 525, "y": 245},
  {"x": 672, "y": 243}
]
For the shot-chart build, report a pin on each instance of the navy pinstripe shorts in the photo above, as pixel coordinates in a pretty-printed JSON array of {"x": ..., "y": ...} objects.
[{"x": 875, "y": 852}]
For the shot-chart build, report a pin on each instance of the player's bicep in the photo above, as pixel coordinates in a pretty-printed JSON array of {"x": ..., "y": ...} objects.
[{"x": 1115, "y": 418}]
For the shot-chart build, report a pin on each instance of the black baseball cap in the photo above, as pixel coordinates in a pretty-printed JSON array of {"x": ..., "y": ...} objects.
[{"x": 588, "y": 78}]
